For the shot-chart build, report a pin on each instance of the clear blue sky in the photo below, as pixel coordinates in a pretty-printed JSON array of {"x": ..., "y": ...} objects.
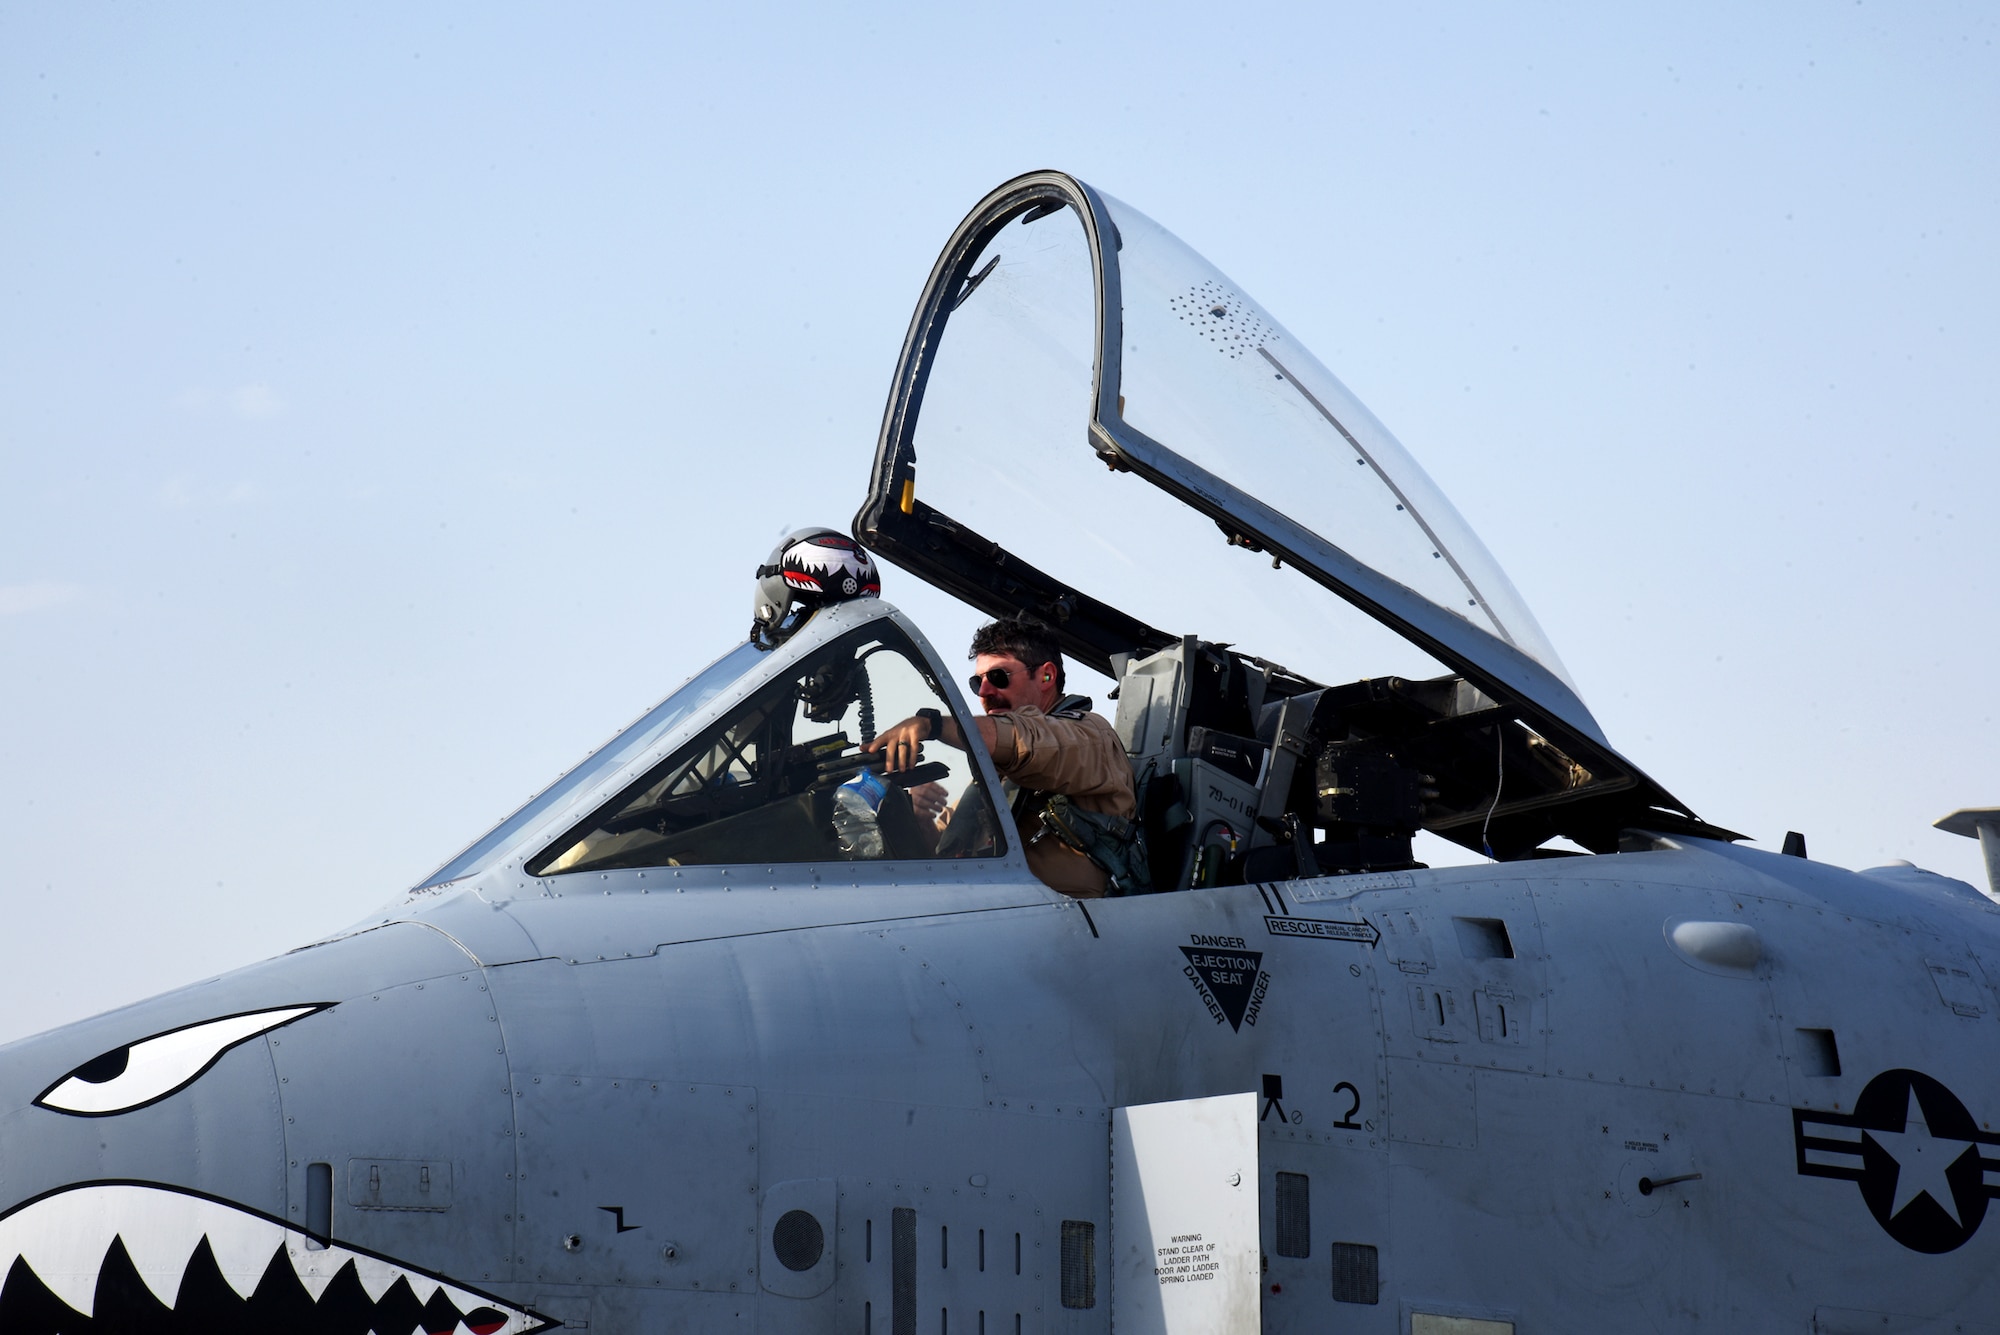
[{"x": 395, "y": 401}]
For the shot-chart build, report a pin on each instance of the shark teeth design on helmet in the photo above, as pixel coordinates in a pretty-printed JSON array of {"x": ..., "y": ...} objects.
[
  {"x": 831, "y": 566},
  {"x": 811, "y": 568},
  {"x": 142, "y": 1256}
]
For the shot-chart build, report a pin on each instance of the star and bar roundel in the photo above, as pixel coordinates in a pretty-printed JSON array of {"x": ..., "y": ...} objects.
[{"x": 1925, "y": 1168}]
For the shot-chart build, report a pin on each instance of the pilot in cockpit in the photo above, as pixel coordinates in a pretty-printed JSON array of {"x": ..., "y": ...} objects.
[{"x": 1043, "y": 742}]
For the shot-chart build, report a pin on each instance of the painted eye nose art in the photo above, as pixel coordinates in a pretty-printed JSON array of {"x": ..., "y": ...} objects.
[{"x": 150, "y": 1069}]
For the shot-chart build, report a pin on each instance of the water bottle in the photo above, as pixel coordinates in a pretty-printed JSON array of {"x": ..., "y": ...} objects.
[{"x": 854, "y": 806}]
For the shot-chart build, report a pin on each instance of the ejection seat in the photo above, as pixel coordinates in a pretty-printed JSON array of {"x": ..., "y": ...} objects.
[
  {"x": 1187, "y": 719},
  {"x": 1246, "y": 773}
]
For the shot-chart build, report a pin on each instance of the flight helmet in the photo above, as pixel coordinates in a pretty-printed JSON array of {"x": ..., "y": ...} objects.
[{"x": 810, "y": 569}]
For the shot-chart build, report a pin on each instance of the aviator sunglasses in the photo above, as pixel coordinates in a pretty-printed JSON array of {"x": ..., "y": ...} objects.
[{"x": 997, "y": 678}]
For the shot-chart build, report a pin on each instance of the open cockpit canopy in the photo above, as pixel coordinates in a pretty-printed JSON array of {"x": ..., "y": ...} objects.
[{"x": 1092, "y": 424}]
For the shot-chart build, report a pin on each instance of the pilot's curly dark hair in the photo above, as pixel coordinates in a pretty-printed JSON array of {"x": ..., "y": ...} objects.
[{"x": 1020, "y": 637}]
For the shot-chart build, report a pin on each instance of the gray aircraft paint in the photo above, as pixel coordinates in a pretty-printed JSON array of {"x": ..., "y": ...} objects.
[{"x": 1685, "y": 1086}]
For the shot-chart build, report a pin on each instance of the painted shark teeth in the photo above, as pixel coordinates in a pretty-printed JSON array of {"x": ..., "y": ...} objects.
[{"x": 145, "y": 1248}]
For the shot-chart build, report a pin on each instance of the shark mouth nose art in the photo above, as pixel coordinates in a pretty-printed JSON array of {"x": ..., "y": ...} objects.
[{"x": 144, "y": 1257}]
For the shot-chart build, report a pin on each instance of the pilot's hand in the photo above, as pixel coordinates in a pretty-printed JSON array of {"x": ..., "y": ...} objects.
[
  {"x": 931, "y": 802},
  {"x": 901, "y": 745}
]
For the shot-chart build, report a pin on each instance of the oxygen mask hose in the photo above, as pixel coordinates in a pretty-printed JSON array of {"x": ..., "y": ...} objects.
[{"x": 864, "y": 696}]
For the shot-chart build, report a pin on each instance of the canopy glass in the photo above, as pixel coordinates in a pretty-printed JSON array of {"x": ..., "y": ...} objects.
[
  {"x": 1209, "y": 374},
  {"x": 1092, "y": 424},
  {"x": 1002, "y": 438},
  {"x": 1065, "y": 331}
]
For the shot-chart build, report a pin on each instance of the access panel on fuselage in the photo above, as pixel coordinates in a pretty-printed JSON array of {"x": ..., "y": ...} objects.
[
  {"x": 1250, "y": 988},
  {"x": 420, "y": 1156},
  {"x": 1082, "y": 1007},
  {"x": 1184, "y": 1237},
  {"x": 636, "y": 1182}
]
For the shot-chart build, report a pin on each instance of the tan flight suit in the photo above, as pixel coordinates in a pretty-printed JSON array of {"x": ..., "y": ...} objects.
[{"x": 1077, "y": 754}]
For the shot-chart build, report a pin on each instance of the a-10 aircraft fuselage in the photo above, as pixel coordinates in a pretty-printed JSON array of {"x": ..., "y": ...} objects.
[
  {"x": 676, "y": 1049},
  {"x": 1473, "y": 1098}
]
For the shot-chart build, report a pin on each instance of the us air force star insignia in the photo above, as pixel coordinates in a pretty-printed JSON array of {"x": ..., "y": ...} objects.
[{"x": 1914, "y": 1150}]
